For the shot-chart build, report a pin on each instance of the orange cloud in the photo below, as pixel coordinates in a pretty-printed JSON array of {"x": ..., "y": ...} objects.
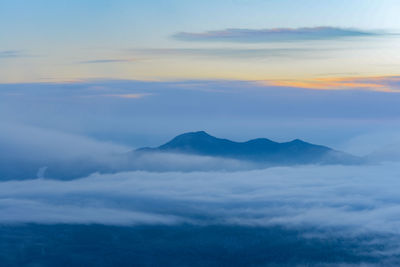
[{"x": 389, "y": 84}]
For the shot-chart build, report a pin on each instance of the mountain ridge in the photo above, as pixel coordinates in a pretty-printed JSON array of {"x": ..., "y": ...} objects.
[{"x": 260, "y": 150}]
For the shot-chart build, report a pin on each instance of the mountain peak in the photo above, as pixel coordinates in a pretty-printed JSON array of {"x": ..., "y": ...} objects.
[
  {"x": 198, "y": 133},
  {"x": 191, "y": 142},
  {"x": 192, "y": 136}
]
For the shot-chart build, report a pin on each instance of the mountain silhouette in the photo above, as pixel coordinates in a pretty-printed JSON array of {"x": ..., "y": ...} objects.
[{"x": 259, "y": 150}]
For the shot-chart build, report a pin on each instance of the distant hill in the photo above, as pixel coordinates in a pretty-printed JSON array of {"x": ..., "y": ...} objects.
[{"x": 259, "y": 150}]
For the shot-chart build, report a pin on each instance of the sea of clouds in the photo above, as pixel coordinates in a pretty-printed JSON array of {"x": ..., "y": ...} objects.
[{"x": 356, "y": 199}]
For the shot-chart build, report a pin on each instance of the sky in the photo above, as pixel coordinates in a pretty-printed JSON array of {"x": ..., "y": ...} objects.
[{"x": 282, "y": 41}]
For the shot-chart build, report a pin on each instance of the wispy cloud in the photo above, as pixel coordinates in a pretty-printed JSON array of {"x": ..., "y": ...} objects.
[
  {"x": 389, "y": 84},
  {"x": 272, "y": 34},
  {"x": 101, "y": 61},
  {"x": 232, "y": 53},
  {"x": 11, "y": 54}
]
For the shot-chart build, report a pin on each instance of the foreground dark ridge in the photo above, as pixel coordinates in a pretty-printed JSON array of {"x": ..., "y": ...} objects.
[{"x": 260, "y": 150}]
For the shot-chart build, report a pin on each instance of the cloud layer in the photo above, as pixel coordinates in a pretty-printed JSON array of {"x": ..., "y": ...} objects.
[
  {"x": 355, "y": 199},
  {"x": 359, "y": 204},
  {"x": 150, "y": 113},
  {"x": 272, "y": 35}
]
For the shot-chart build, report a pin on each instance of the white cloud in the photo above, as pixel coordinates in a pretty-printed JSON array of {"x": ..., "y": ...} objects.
[{"x": 359, "y": 198}]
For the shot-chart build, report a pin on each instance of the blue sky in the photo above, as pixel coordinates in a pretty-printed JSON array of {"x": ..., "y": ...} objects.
[{"x": 50, "y": 39}]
